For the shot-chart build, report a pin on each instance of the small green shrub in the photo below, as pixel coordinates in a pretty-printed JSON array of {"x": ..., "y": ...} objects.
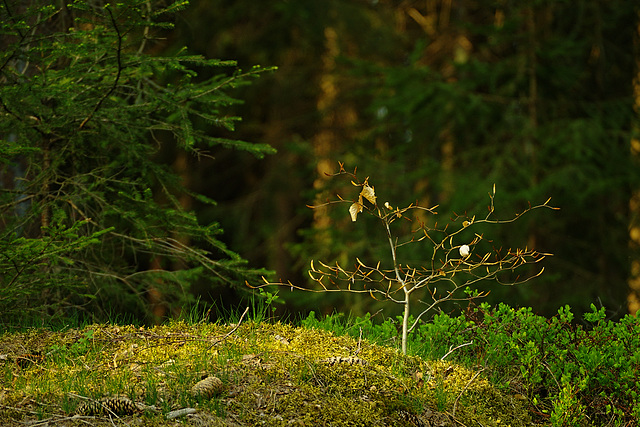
[
  {"x": 63, "y": 352},
  {"x": 570, "y": 374}
]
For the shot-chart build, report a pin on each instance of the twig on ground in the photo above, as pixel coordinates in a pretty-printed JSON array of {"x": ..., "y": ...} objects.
[
  {"x": 359, "y": 342},
  {"x": 451, "y": 350},
  {"x": 455, "y": 404},
  {"x": 232, "y": 330}
]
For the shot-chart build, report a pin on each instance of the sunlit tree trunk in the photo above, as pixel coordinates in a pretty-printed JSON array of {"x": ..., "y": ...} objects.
[
  {"x": 633, "y": 298},
  {"x": 324, "y": 140},
  {"x": 338, "y": 117},
  {"x": 446, "y": 45},
  {"x": 530, "y": 143}
]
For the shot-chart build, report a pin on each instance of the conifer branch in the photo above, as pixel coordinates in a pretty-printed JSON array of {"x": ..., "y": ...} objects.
[{"x": 118, "y": 73}]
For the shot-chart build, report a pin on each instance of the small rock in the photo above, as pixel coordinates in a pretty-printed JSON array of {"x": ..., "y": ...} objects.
[{"x": 180, "y": 413}]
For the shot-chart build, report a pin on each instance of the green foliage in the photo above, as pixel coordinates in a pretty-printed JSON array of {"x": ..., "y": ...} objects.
[
  {"x": 264, "y": 305},
  {"x": 533, "y": 96},
  {"x": 91, "y": 218},
  {"x": 26, "y": 261},
  {"x": 573, "y": 375},
  {"x": 525, "y": 95},
  {"x": 62, "y": 353},
  {"x": 591, "y": 369}
]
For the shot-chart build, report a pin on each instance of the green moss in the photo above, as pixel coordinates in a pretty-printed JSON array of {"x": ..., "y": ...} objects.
[{"x": 274, "y": 374}]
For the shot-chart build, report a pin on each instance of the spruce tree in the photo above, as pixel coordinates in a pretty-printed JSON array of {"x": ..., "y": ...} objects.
[{"x": 90, "y": 219}]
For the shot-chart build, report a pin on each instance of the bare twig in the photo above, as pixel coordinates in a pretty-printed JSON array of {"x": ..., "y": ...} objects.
[
  {"x": 359, "y": 343},
  {"x": 451, "y": 350},
  {"x": 455, "y": 266},
  {"x": 235, "y": 328},
  {"x": 455, "y": 404}
]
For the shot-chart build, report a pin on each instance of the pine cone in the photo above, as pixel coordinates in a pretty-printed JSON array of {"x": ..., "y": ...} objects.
[
  {"x": 108, "y": 405},
  {"x": 208, "y": 387}
]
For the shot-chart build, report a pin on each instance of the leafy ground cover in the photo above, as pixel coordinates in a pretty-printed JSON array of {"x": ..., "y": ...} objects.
[
  {"x": 490, "y": 366},
  {"x": 566, "y": 372},
  {"x": 266, "y": 374}
]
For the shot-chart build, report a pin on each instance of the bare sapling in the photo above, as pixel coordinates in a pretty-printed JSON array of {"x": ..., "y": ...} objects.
[{"x": 448, "y": 274}]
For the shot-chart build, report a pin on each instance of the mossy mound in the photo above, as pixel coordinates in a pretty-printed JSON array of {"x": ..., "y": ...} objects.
[{"x": 271, "y": 374}]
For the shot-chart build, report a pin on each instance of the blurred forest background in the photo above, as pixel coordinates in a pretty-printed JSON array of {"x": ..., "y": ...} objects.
[{"x": 435, "y": 101}]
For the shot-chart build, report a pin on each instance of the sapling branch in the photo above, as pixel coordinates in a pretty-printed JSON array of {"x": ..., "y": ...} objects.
[{"x": 451, "y": 267}]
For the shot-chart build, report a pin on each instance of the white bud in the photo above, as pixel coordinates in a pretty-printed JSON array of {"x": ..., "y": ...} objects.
[
  {"x": 387, "y": 205},
  {"x": 464, "y": 251}
]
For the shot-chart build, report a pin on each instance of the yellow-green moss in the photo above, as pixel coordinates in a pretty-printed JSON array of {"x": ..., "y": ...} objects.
[{"x": 274, "y": 374}]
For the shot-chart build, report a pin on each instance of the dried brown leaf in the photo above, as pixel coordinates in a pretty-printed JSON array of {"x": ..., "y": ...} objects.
[
  {"x": 368, "y": 193},
  {"x": 354, "y": 210}
]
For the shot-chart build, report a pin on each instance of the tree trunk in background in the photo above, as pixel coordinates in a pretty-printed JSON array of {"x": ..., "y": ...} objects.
[
  {"x": 45, "y": 214},
  {"x": 530, "y": 142},
  {"x": 441, "y": 100},
  {"x": 157, "y": 300},
  {"x": 633, "y": 298},
  {"x": 445, "y": 44},
  {"x": 181, "y": 168},
  {"x": 324, "y": 140}
]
